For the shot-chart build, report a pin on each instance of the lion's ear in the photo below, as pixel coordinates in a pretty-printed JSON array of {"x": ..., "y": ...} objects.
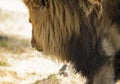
[{"x": 38, "y": 3}]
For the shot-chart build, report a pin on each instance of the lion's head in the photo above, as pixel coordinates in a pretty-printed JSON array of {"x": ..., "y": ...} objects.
[{"x": 59, "y": 27}]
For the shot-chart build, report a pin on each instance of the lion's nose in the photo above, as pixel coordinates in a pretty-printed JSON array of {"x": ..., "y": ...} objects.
[
  {"x": 29, "y": 20},
  {"x": 34, "y": 45}
]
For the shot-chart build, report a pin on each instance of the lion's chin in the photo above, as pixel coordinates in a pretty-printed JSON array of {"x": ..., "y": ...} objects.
[
  {"x": 37, "y": 48},
  {"x": 40, "y": 50}
]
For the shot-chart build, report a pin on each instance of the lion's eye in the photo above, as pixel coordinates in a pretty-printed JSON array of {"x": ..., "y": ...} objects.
[
  {"x": 44, "y": 2},
  {"x": 39, "y": 3}
]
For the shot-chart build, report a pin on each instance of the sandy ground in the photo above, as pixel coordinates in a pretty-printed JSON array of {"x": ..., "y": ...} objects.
[{"x": 19, "y": 63}]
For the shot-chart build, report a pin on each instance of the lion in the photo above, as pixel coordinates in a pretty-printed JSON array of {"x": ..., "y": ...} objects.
[{"x": 82, "y": 32}]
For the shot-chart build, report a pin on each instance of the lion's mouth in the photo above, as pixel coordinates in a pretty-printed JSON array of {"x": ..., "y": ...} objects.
[
  {"x": 34, "y": 45},
  {"x": 37, "y": 47}
]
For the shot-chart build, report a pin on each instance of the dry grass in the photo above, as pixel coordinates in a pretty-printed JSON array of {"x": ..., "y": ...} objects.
[
  {"x": 14, "y": 44},
  {"x": 52, "y": 79},
  {"x": 3, "y": 61}
]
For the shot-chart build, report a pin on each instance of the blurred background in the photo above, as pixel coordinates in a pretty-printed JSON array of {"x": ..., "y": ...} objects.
[{"x": 19, "y": 62}]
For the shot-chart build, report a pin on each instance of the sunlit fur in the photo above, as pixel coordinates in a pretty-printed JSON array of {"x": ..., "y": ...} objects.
[
  {"x": 56, "y": 25},
  {"x": 83, "y": 32}
]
